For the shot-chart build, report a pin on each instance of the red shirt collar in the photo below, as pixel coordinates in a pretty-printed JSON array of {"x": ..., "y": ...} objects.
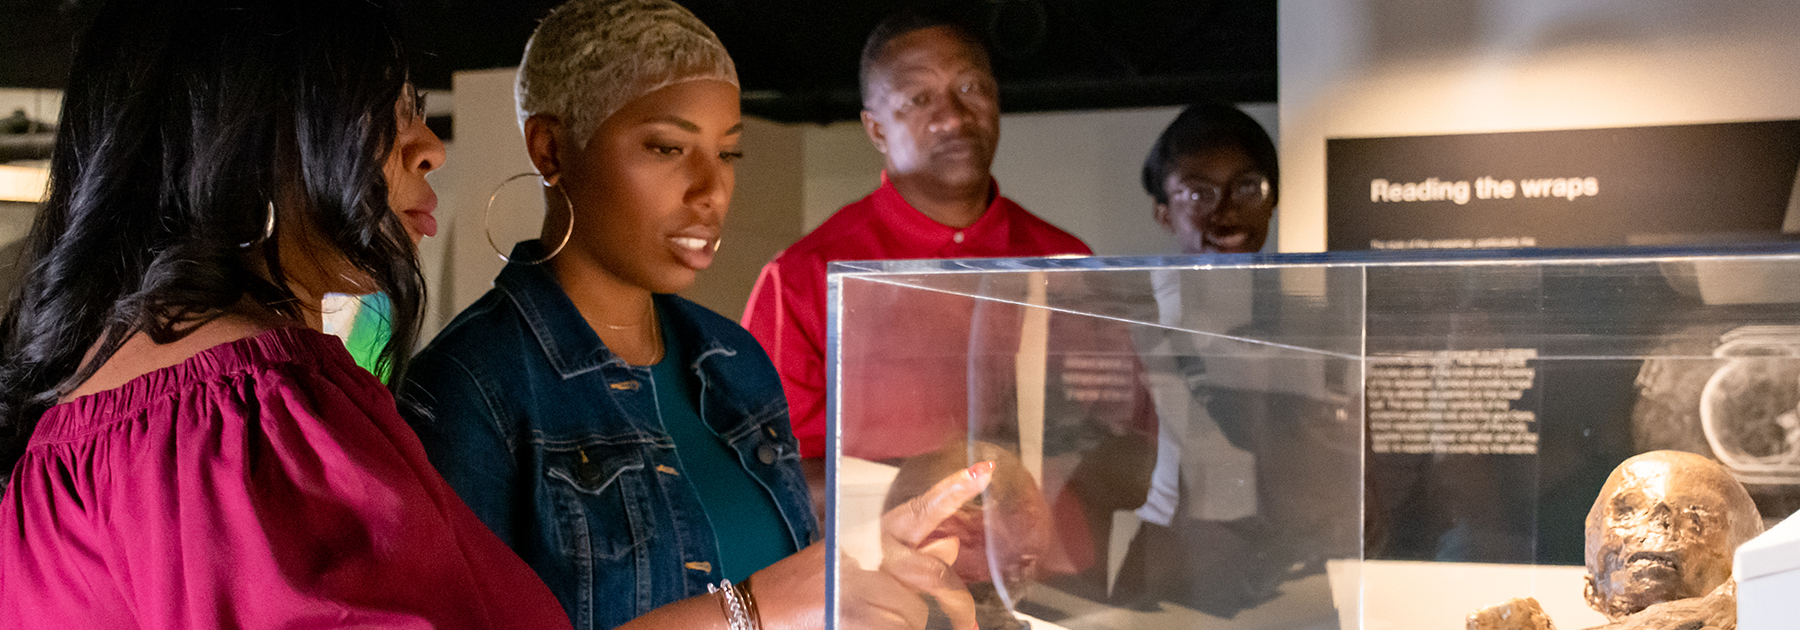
[{"x": 990, "y": 232}]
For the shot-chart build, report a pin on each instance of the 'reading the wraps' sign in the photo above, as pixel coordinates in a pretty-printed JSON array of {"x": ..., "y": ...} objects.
[{"x": 1569, "y": 188}]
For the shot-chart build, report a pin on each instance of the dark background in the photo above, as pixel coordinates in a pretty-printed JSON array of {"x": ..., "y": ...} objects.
[{"x": 798, "y": 58}]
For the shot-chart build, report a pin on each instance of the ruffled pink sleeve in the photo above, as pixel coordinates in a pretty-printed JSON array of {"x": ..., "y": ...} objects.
[{"x": 273, "y": 486}]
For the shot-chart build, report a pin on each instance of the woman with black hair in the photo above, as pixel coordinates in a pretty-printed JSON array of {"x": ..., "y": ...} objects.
[{"x": 186, "y": 449}]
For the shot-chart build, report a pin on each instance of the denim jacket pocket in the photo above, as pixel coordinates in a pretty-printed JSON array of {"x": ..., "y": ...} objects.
[
  {"x": 600, "y": 500},
  {"x": 772, "y": 457}
]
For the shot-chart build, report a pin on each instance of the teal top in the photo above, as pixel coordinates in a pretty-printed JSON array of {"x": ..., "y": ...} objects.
[{"x": 745, "y": 521}]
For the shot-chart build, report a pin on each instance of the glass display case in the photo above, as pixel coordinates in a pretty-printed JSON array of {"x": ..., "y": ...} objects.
[{"x": 1360, "y": 440}]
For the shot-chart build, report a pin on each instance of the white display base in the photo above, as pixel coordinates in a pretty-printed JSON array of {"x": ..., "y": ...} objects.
[
  {"x": 862, "y": 486},
  {"x": 1400, "y": 595},
  {"x": 1768, "y": 573},
  {"x": 1289, "y": 611},
  {"x": 1393, "y": 595}
]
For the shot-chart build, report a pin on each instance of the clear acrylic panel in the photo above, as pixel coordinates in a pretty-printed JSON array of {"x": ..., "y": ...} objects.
[
  {"x": 1363, "y": 440},
  {"x": 1144, "y": 420}
]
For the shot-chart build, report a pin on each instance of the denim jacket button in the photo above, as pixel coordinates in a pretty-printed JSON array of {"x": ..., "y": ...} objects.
[{"x": 766, "y": 454}]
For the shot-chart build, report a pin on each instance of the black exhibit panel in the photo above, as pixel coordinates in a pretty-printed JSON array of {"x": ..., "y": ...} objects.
[{"x": 1568, "y": 188}]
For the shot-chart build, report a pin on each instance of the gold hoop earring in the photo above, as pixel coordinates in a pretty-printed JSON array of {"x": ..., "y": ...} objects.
[
  {"x": 488, "y": 231},
  {"x": 268, "y": 229}
]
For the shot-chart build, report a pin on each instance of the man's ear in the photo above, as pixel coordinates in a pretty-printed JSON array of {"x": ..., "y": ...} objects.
[
  {"x": 544, "y": 136},
  {"x": 876, "y": 134},
  {"x": 1162, "y": 217}
]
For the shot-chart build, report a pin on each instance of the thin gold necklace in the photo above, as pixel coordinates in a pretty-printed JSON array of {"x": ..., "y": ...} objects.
[
  {"x": 656, "y": 336},
  {"x": 655, "y": 332},
  {"x": 649, "y": 309}
]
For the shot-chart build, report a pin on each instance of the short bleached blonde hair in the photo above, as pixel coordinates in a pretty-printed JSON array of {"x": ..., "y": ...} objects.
[{"x": 588, "y": 58}]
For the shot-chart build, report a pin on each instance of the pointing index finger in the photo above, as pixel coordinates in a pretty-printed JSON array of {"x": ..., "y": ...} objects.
[{"x": 910, "y": 522}]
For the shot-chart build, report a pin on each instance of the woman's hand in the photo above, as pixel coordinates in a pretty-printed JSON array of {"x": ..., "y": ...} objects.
[
  {"x": 909, "y": 555},
  {"x": 790, "y": 594}
]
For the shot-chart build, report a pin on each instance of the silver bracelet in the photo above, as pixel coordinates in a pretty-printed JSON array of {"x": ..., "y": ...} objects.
[{"x": 737, "y": 604}]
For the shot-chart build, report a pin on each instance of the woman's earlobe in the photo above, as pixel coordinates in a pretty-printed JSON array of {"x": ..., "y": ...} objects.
[{"x": 1161, "y": 211}]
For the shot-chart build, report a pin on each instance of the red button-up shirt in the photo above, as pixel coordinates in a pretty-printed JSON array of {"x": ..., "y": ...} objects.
[{"x": 917, "y": 374}]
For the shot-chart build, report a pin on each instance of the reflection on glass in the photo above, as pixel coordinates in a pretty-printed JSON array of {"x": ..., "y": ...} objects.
[
  {"x": 1299, "y": 442},
  {"x": 1167, "y": 445},
  {"x": 1750, "y": 408},
  {"x": 1001, "y": 536}
]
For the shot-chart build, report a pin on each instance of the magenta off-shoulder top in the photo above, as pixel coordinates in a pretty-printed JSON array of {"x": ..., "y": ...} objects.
[{"x": 264, "y": 483}]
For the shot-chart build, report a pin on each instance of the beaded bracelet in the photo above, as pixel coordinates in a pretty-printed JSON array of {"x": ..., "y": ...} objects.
[{"x": 737, "y": 604}]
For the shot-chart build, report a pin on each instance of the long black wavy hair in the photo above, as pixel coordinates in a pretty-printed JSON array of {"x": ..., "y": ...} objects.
[{"x": 182, "y": 121}]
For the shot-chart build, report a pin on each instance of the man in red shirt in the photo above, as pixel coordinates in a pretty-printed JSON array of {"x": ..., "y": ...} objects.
[{"x": 931, "y": 106}]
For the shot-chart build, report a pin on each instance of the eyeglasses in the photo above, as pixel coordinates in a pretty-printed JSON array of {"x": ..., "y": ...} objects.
[{"x": 1249, "y": 189}]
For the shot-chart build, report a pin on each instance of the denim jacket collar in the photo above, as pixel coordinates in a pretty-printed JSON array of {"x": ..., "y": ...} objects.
[
  {"x": 573, "y": 347},
  {"x": 566, "y": 339}
]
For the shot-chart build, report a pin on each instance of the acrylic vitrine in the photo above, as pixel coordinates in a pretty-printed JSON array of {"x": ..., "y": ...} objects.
[{"x": 1368, "y": 440}]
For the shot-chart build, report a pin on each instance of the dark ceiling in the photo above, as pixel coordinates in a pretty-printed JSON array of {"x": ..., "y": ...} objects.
[{"x": 797, "y": 58}]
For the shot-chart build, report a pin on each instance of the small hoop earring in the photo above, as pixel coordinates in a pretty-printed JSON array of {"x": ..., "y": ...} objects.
[
  {"x": 487, "y": 229},
  {"x": 268, "y": 229}
]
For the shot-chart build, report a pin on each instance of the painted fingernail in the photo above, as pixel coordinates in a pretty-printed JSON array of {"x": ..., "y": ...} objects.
[{"x": 979, "y": 470}]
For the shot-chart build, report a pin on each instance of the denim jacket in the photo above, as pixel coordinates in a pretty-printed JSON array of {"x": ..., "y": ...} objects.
[{"x": 557, "y": 445}]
